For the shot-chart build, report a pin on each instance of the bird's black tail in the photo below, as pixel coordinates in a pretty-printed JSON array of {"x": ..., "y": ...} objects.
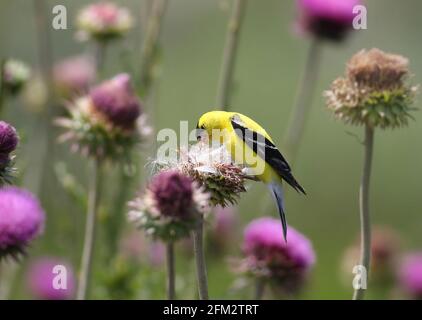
[{"x": 277, "y": 192}]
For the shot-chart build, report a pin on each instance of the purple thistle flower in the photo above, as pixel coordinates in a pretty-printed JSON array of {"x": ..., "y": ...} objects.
[
  {"x": 41, "y": 280},
  {"x": 103, "y": 21},
  {"x": 116, "y": 100},
  {"x": 410, "y": 275},
  {"x": 74, "y": 75},
  {"x": 170, "y": 207},
  {"x": 8, "y": 138},
  {"x": 268, "y": 255},
  {"x": 172, "y": 193},
  {"x": 21, "y": 220},
  {"x": 326, "y": 19}
]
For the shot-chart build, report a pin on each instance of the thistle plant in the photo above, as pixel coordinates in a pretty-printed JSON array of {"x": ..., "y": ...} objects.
[
  {"x": 107, "y": 122},
  {"x": 103, "y": 125},
  {"x": 103, "y": 22},
  {"x": 271, "y": 261},
  {"x": 374, "y": 93},
  {"x": 170, "y": 209},
  {"x": 323, "y": 21},
  {"x": 212, "y": 168}
]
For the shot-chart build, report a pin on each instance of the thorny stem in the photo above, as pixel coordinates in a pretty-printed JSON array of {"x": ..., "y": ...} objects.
[
  {"x": 303, "y": 104},
  {"x": 201, "y": 269},
  {"x": 229, "y": 55},
  {"x": 90, "y": 228},
  {"x": 171, "y": 280},
  {"x": 365, "y": 225},
  {"x": 259, "y": 289},
  {"x": 150, "y": 43}
]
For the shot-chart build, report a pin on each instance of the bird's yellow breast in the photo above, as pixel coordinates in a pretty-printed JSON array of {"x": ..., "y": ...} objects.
[{"x": 219, "y": 127}]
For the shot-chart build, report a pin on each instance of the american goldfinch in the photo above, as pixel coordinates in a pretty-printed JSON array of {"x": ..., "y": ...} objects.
[{"x": 243, "y": 136}]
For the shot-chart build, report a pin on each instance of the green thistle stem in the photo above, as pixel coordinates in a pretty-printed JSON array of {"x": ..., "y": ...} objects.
[
  {"x": 171, "y": 292},
  {"x": 45, "y": 55},
  {"x": 365, "y": 225},
  {"x": 201, "y": 269},
  {"x": 229, "y": 55},
  {"x": 150, "y": 43},
  {"x": 100, "y": 57},
  {"x": 303, "y": 104},
  {"x": 90, "y": 231}
]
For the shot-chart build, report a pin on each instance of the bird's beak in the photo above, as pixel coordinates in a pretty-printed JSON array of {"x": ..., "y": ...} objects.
[{"x": 198, "y": 132}]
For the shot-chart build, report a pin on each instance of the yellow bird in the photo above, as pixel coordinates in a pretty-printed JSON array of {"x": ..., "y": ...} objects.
[{"x": 242, "y": 137}]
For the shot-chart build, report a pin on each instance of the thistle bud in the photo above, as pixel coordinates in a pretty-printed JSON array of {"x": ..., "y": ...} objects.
[
  {"x": 374, "y": 91},
  {"x": 15, "y": 74}
]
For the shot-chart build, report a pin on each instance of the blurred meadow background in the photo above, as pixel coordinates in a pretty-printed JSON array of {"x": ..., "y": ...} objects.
[{"x": 270, "y": 62}]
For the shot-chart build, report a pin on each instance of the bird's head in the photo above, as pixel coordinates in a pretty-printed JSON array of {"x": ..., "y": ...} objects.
[{"x": 212, "y": 121}]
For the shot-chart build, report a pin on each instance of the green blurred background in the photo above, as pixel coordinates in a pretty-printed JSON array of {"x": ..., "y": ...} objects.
[{"x": 270, "y": 63}]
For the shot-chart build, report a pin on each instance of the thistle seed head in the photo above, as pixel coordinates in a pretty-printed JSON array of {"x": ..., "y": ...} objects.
[
  {"x": 212, "y": 168},
  {"x": 374, "y": 91}
]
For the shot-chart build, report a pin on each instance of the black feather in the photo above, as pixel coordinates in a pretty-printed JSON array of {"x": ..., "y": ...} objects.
[
  {"x": 266, "y": 150},
  {"x": 277, "y": 192}
]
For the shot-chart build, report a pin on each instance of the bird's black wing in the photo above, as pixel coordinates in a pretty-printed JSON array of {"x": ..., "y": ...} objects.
[{"x": 267, "y": 151}]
